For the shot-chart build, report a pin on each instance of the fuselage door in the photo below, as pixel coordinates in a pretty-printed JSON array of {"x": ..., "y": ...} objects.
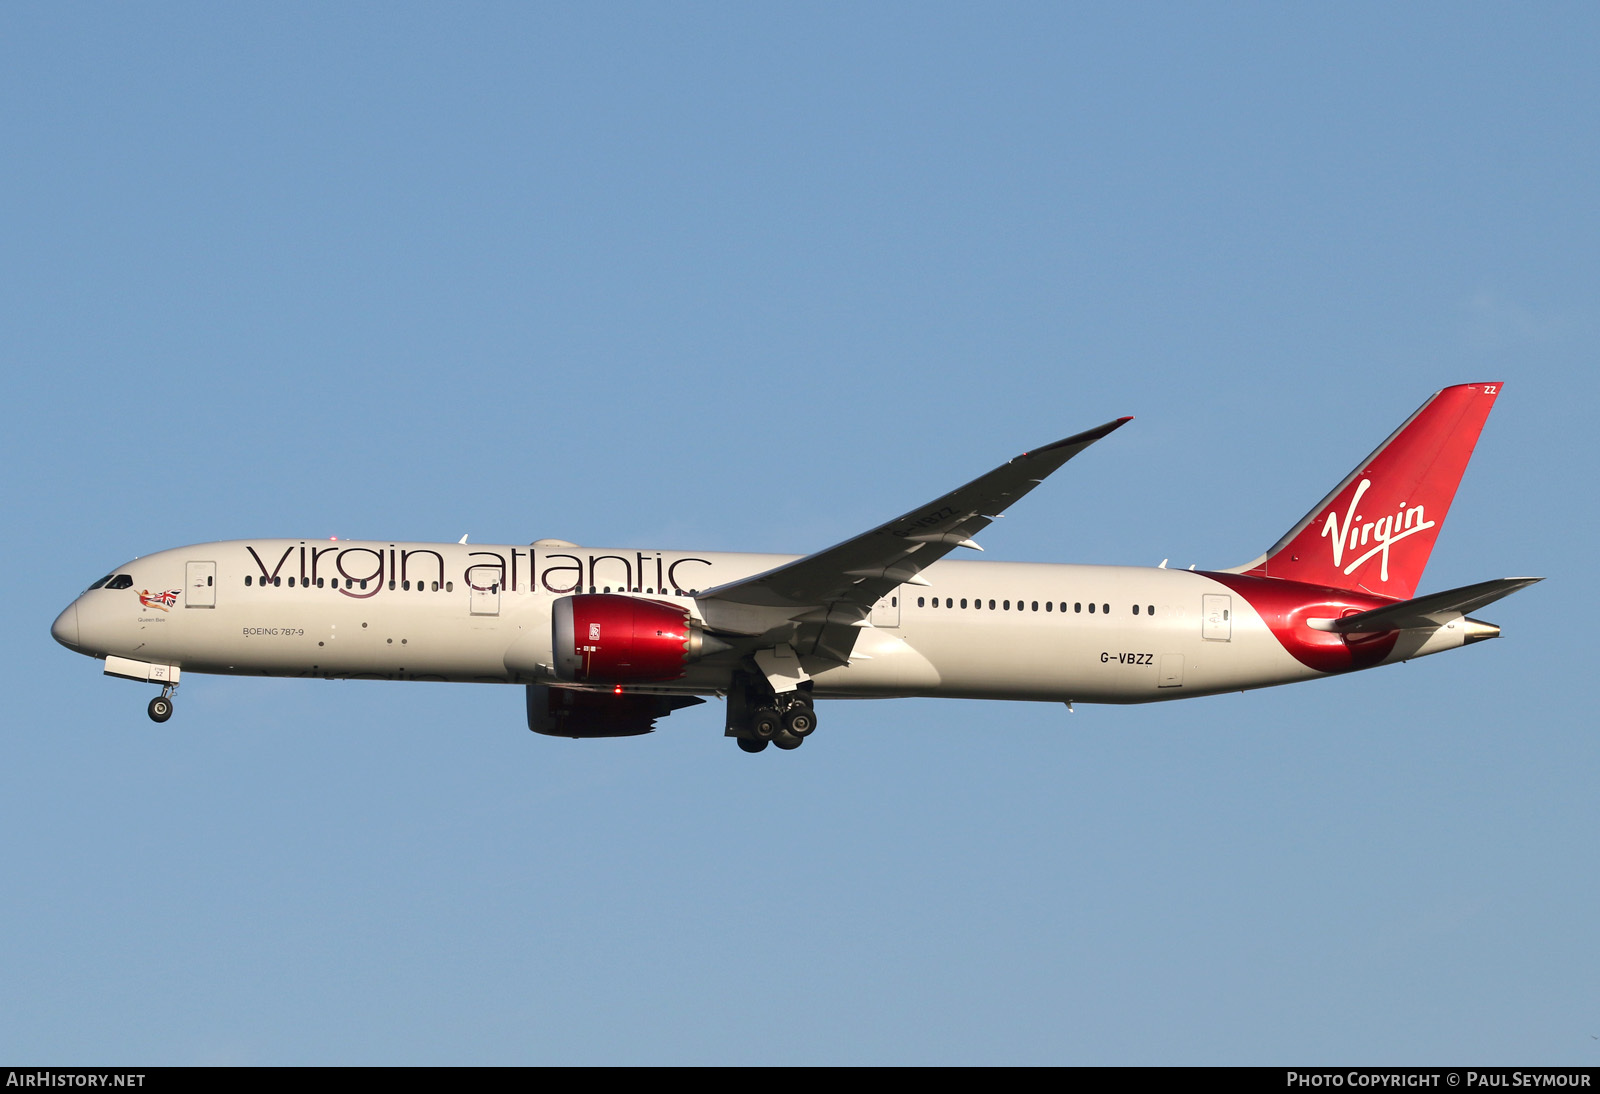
[
  {"x": 200, "y": 585},
  {"x": 484, "y": 581},
  {"x": 1216, "y": 617},
  {"x": 886, "y": 612}
]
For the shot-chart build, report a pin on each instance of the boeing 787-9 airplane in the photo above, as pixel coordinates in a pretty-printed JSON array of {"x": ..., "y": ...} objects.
[{"x": 607, "y": 641}]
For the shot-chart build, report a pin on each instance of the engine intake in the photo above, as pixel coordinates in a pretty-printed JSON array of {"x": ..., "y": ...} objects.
[{"x": 603, "y": 638}]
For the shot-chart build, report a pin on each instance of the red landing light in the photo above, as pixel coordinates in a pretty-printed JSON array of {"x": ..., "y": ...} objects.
[{"x": 617, "y": 690}]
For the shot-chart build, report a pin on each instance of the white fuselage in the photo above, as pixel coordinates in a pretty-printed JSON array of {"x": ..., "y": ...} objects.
[{"x": 414, "y": 611}]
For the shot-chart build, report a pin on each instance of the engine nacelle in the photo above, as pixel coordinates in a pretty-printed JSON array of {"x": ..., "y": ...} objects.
[{"x": 603, "y": 638}]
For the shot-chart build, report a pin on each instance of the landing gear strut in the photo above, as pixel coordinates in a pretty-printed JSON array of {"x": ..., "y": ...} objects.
[
  {"x": 757, "y": 716},
  {"x": 160, "y": 708}
]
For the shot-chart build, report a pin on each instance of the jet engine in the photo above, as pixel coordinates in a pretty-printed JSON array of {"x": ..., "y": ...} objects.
[{"x": 603, "y": 638}]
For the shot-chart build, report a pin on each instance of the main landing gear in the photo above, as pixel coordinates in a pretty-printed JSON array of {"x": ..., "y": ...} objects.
[
  {"x": 160, "y": 708},
  {"x": 757, "y": 716}
]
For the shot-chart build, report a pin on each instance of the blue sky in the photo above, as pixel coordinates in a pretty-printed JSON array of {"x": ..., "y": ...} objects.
[{"x": 736, "y": 277}]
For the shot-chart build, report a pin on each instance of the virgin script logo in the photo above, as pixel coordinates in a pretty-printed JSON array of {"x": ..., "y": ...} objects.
[{"x": 1357, "y": 531}]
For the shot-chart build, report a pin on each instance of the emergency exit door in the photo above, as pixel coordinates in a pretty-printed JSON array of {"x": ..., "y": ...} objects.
[
  {"x": 886, "y": 612},
  {"x": 1216, "y": 617},
  {"x": 484, "y": 581},
  {"x": 200, "y": 585}
]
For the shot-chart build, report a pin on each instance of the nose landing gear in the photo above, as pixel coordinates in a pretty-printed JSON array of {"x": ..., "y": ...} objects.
[{"x": 160, "y": 708}]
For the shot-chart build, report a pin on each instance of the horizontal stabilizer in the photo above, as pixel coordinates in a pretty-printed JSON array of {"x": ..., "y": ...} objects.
[{"x": 1431, "y": 610}]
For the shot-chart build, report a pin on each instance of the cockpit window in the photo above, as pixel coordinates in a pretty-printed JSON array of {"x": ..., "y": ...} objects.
[
  {"x": 121, "y": 581},
  {"x": 99, "y": 583}
]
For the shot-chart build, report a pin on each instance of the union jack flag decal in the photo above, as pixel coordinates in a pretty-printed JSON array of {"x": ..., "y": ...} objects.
[{"x": 163, "y": 600}]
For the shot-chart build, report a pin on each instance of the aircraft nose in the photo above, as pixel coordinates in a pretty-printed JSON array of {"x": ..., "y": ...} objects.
[{"x": 65, "y": 628}]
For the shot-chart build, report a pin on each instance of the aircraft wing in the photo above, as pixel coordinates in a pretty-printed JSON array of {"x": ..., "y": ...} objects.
[{"x": 837, "y": 587}]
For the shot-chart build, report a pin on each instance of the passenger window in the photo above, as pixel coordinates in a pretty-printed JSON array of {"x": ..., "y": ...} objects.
[
  {"x": 963, "y": 602},
  {"x": 948, "y": 602},
  {"x": 1048, "y": 606},
  {"x": 1136, "y": 609},
  {"x": 1091, "y": 609},
  {"x": 1078, "y": 607},
  {"x": 1035, "y": 605},
  {"x": 247, "y": 579},
  {"x": 922, "y": 601},
  {"x": 1106, "y": 608},
  {"x": 320, "y": 580},
  {"x": 1150, "y": 610},
  {"x": 449, "y": 586},
  {"x": 276, "y": 582},
  {"x": 1006, "y": 604},
  {"x": 436, "y": 587}
]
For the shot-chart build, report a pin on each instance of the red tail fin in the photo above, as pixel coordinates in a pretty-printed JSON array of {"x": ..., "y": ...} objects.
[{"x": 1374, "y": 533}]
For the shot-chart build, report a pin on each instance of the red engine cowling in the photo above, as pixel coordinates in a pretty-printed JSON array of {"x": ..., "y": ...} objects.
[{"x": 603, "y": 638}]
